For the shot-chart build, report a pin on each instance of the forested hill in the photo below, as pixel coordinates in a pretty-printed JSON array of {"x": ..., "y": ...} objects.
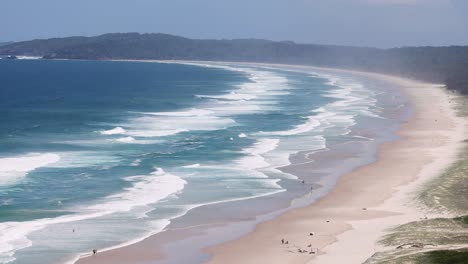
[
  {"x": 5, "y": 43},
  {"x": 447, "y": 65}
]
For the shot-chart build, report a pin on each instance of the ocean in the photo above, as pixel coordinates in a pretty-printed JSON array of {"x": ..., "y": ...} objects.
[{"x": 99, "y": 154}]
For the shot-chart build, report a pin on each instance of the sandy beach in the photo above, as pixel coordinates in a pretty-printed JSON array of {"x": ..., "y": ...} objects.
[
  {"x": 348, "y": 222},
  {"x": 345, "y": 225}
]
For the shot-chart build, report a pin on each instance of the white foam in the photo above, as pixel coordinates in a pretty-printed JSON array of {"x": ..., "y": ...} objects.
[
  {"x": 114, "y": 131},
  {"x": 15, "y": 168},
  {"x": 146, "y": 131},
  {"x": 136, "y": 162},
  {"x": 308, "y": 126},
  {"x": 242, "y": 135},
  {"x": 187, "y": 113},
  {"x": 214, "y": 112},
  {"x": 29, "y": 57},
  {"x": 161, "y": 124},
  {"x": 166, "y": 124},
  {"x": 258, "y": 95},
  {"x": 132, "y": 140},
  {"x": 254, "y": 159},
  {"x": 196, "y": 165},
  {"x": 126, "y": 140},
  {"x": 353, "y": 99},
  {"x": 235, "y": 96},
  {"x": 262, "y": 146},
  {"x": 145, "y": 190},
  {"x": 80, "y": 159},
  {"x": 237, "y": 109},
  {"x": 13, "y": 235},
  {"x": 353, "y": 96}
]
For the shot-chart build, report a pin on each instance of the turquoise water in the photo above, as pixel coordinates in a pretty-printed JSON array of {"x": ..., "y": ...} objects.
[{"x": 99, "y": 154}]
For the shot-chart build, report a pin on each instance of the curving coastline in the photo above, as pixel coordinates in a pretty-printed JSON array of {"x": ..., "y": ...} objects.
[
  {"x": 343, "y": 206},
  {"x": 348, "y": 221}
]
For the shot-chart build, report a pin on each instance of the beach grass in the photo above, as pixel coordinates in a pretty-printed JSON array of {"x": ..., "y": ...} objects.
[
  {"x": 432, "y": 232},
  {"x": 434, "y": 240},
  {"x": 420, "y": 241},
  {"x": 448, "y": 193},
  {"x": 432, "y": 257}
]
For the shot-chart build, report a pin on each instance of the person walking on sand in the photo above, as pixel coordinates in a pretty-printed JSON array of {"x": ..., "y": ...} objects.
[
  {"x": 282, "y": 241},
  {"x": 94, "y": 251}
]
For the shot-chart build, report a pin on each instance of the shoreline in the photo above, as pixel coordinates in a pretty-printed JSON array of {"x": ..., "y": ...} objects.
[
  {"x": 361, "y": 207},
  {"x": 259, "y": 246}
]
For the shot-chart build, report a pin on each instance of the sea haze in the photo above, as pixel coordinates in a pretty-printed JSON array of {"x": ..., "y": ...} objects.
[{"x": 98, "y": 154}]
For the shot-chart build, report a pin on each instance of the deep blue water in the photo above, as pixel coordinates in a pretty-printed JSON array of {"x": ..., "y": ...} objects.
[{"x": 95, "y": 154}]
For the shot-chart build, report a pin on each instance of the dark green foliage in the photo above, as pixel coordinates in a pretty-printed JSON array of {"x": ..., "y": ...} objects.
[
  {"x": 448, "y": 65},
  {"x": 459, "y": 256},
  {"x": 463, "y": 219},
  {"x": 447, "y": 257}
]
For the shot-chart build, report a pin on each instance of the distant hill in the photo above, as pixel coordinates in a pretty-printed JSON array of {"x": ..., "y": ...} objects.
[
  {"x": 447, "y": 65},
  {"x": 5, "y": 43}
]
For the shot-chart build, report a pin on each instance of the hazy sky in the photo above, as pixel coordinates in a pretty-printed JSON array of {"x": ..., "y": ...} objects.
[{"x": 381, "y": 23}]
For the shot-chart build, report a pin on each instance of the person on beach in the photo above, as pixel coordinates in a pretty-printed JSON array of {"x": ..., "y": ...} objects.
[
  {"x": 282, "y": 241},
  {"x": 94, "y": 251}
]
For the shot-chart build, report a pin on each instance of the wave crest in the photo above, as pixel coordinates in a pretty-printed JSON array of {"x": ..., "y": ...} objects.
[
  {"x": 15, "y": 168},
  {"x": 114, "y": 131}
]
